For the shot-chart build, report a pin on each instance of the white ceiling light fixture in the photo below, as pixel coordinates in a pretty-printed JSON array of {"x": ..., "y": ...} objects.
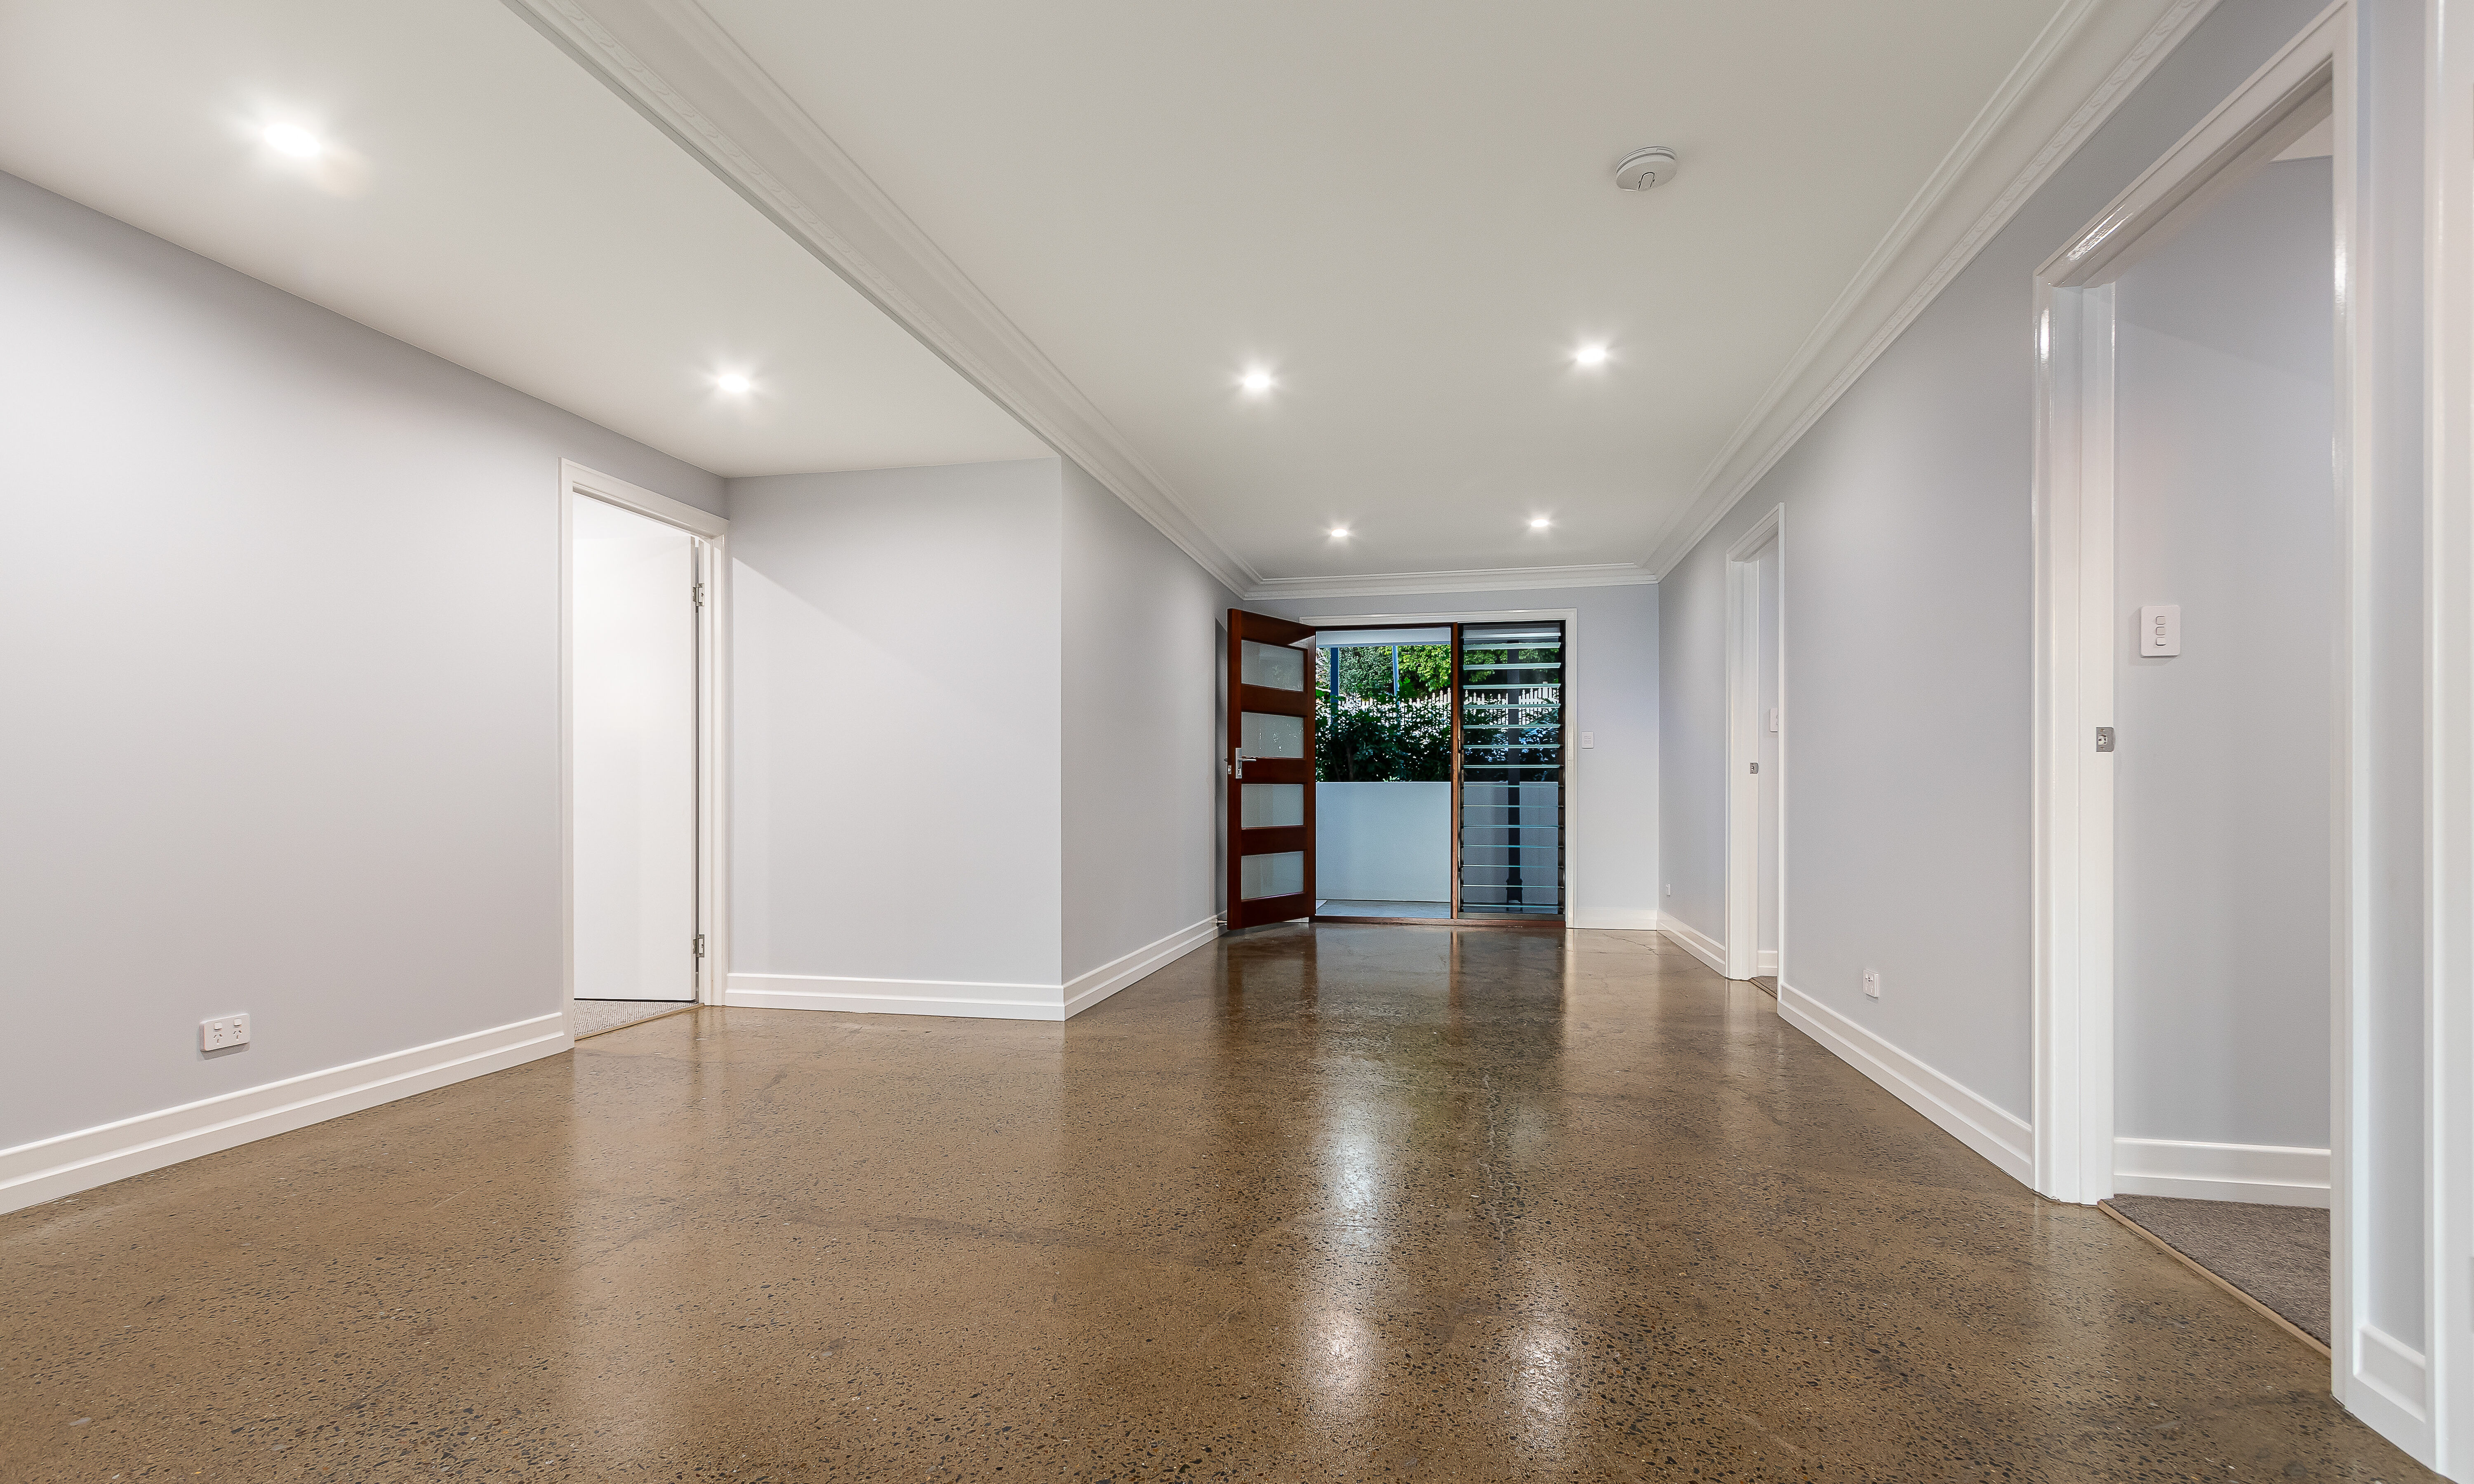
[
  {"x": 733, "y": 384},
  {"x": 1589, "y": 356},
  {"x": 1538, "y": 523},
  {"x": 1255, "y": 383},
  {"x": 1340, "y": 533},
  {"x": 1642, "y": 169},
  {"x": 294, "y": 140}
]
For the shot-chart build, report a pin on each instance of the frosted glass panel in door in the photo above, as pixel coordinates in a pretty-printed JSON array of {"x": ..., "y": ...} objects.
[
  {"x": 1267, "y": 735},
  {"x": 1275, "y": 875},
  {"x": 1274, "y": 665},
  {"x": 634, "y": 669},
  {"x": 1271, "y": 806}
]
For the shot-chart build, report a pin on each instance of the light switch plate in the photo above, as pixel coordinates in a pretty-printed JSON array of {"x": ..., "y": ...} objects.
[
  {"x": 1588, "y": 739},
  {"x": 2160, "y": 630},
  {"x": 1773, "y": 718},
  {"x": 224, "y": 1032},
  {"x": 1872, "y": 983}
]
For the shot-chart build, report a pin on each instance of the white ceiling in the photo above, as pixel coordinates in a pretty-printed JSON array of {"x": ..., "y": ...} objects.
[
  {"x": 1406, "y": 210},
  {"x": 1108, "y": 210},
  {"x": 497, "y": 206}
]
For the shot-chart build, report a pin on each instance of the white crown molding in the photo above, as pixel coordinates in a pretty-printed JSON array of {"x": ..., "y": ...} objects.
[
  {"x": 2088, "y": 60},
  {"x": 677, "y": 67},
  {"x": 1493, "y": 579}
]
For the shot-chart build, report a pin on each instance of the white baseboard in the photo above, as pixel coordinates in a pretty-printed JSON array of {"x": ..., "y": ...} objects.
[
  {"x": 1992, "y": 1131},
  {"x": 1765, "y": 961},
  {"x": 1692, "y": 940},
  {"x": 2388, "y": 1384},
  {"x": 962, "y": 997},
  {"x": 893, "y": 996},
  {"x": 2261, "y": 1174},
  {"x": 1085, "y": 991},
  {"x": 1635, "y": 919},
  {"x": 67, "y": 1163}
]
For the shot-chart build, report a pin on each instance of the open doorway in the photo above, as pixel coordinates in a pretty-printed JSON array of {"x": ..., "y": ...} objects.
[
  {"x": 1383, "y": 772},
  {"x": 640, "y": 571},
  {"x": 1442, "y": 757},
  {"x": 1400, "y": 768},
  {"x": 2201, "y": 556},
  {"x": 2225, "y": 600}
]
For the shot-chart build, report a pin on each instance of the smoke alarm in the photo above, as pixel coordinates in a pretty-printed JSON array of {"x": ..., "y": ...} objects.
[{"x": 1642, "y": 169}]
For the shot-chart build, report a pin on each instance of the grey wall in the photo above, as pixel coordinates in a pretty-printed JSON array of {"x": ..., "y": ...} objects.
[
  {"x": 1908, "y": 577},
  {"x": 895, "y": 723},
  {"x": 1145, "y": 635},
  {"x": 2225, "y": 505},
  {"x": 278, "y": 617},
  {"x": 1613, "y": 825}
]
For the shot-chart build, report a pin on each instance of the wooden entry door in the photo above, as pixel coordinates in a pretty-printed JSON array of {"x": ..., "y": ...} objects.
[{"x": 1269, "y": 766}]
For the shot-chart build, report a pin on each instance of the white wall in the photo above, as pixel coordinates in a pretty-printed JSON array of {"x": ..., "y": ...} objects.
[
  {"x": 975, "y": 766},
  {"x": 1145, "y": 633},
  {"x": 278, "y": 619},
  {"x": 1383, "y": 842},
  {"x": 895, "y": 732},
  {"x": 2225, "y": 505},
  {"x": 1612, "y": 824}
]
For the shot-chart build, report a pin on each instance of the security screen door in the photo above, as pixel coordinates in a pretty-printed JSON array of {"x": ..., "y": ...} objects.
[{"x": 1270, "y": 768}]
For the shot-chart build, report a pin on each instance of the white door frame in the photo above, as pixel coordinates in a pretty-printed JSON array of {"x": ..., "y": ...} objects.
[
  {"x": 1743, "y": 913},
  {"x": 2077, "y": 637},
  {"x": 2448, "y": 716},
  {"x": 1572, "y": 620},
  {"x": 711, "y": 535}
]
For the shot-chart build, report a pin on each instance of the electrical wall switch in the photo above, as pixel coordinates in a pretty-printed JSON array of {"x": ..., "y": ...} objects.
[
  {"x": 227, "y": 1031},
  {"x": 1773, "y": 718},
  {"x": 1872, "y": 983},
  {"x": 2160, "y": 629},
  {"x": 1588, "y": 739},
  {"x": 1670, "y": 889}
]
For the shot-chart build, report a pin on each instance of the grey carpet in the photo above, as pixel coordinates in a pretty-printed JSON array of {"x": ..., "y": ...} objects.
[
  {"x": 592, "y": 1016},
  {"x": 2276, "y": 1253}
]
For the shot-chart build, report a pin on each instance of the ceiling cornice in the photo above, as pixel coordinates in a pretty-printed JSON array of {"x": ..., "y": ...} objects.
[
  {"x": 676, "y": 67},
  {"x": 1495, "y": 579},
  {"x": 2092, "y": 56}
]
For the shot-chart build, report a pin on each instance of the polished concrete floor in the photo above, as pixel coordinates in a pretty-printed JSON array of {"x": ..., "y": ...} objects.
[
  {"x": 1348, "y": 1203},
  {"x": 592, "y": 1017}
]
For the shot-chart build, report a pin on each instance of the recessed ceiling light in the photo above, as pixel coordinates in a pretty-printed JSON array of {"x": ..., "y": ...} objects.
[
  {"x": 1340, "y": 532},
  {"x": 734, "y": 384},
  {"x": 1589, "y": 356},
  {"x": 294, "y": 140},
  {"x": 1538, "y": 523},
  {"x": 1256, "y": 382}
]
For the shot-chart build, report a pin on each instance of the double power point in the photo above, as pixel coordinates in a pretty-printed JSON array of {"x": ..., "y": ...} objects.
[
  {"x": 222, "y": 1033},
  {"x": 1872, "y": 984}
]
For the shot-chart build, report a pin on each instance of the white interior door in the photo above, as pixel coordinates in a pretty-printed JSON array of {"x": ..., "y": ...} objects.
[{"x": 633, "y": 663}]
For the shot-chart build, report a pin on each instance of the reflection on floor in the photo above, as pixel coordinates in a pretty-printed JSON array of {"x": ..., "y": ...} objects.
[
  {"x": 1309, "y": 1203},
  {"x": 594, "y": 1016},
  {"x": 1341, "y": 907},
  {"x": 2278, "y": 1255}
]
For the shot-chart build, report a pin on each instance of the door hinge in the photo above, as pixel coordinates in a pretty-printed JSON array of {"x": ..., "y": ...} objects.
[
  {"x": 2105, "y": 738},
  {"x": 698, "y": 594},
  {"x": 700, "y": 945}
]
